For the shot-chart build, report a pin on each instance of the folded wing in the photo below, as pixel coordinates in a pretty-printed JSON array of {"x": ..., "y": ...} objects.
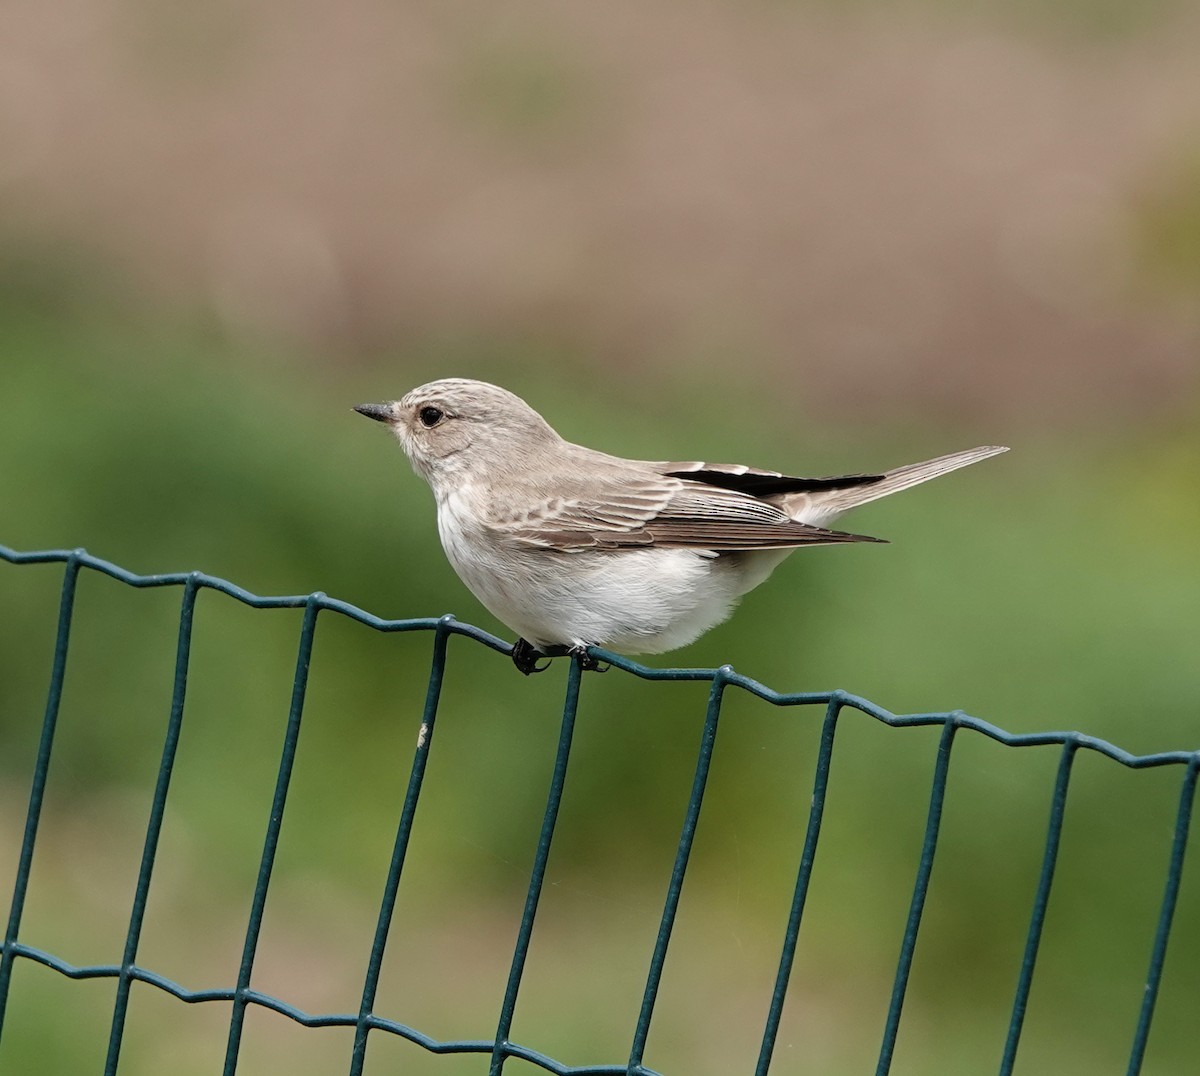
[{"x": 667, "y": 510}]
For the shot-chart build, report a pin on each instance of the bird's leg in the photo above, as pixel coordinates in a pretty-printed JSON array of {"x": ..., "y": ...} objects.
[
  {"x": 525, "y": 657},
  {"x": 587, "y": 663}
]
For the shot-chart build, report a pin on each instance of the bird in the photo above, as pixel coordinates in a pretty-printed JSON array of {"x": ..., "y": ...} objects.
[{"x": 572, "y": 548}]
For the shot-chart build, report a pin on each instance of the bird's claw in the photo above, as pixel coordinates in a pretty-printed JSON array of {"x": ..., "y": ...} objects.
[
  {"x": 525, "y": 657},
  {"x": 587, "y": 663}
]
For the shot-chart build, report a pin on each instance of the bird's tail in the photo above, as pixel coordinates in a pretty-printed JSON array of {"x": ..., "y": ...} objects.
[{"x": 827, "y": 503}]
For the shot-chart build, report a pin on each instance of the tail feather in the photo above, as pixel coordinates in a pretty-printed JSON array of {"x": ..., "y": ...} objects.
[{"x": 826, "y": 504}]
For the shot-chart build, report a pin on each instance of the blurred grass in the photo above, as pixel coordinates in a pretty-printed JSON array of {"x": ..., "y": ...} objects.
[
  {"x": 1056, "y": 587},
  {"x": 1077, "y": 22}
]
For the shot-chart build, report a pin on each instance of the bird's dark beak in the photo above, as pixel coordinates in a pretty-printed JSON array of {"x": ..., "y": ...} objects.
[{"x": 379, "y": 412}]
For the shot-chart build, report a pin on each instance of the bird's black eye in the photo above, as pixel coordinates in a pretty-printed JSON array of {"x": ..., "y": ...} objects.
[{"x": 430, "y": 416}]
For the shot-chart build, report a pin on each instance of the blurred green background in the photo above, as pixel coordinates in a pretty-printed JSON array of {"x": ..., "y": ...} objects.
[{"x": 803, "y": 235}]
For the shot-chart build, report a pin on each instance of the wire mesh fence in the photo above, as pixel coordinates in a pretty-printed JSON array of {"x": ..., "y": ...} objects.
[{"x": 496, "y": 1050}]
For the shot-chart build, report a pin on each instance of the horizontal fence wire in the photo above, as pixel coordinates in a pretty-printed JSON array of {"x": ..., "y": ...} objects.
[{"x": 500, "y": 1048}]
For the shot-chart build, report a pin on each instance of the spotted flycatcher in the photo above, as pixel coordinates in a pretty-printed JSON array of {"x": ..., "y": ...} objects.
[{"x": 571, "y": 547}]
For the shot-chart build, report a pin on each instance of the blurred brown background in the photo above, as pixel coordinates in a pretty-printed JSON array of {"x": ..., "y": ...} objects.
[{"x": 884, "y": 206}]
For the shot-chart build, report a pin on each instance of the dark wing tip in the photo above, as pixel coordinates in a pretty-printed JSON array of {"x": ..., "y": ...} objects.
[{"x": 765, "y": 484}]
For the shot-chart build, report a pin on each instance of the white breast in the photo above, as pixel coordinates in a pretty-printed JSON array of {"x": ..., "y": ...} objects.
[{"x": 642, "y": 601}]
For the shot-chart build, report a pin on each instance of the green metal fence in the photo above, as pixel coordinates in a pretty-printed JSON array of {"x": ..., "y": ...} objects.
[{"x": 500, "y": 1047}]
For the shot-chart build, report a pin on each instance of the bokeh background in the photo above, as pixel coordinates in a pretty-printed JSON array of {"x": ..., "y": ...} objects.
[{"x": 807, "y": 235}]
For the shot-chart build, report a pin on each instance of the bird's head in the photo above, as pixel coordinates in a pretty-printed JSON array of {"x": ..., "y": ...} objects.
[{"x": 457, "y": 428}]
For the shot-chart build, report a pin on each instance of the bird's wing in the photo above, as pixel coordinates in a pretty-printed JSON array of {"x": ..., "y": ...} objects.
[{"x": 666, "y": 510}]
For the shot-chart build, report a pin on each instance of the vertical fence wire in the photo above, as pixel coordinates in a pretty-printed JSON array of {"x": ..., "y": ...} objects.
[
  {"x": 41, "y": 771},
  {"x": 908, "y": 947},
  {"x": 271, "y": 842},
  {"x": 675, "y": 887},
  {"x": 1041, "y": 900},
  {"x": 1158, "y": 955},
  {"x": 808, "y": 856},
  {"x": 154, "y": 826},
  {"x": 433, "y": 694},
  {"x": 538, "y": 874}
]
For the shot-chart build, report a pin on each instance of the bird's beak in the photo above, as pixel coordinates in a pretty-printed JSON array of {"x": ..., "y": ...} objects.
[{"x": 379, "y": 412}]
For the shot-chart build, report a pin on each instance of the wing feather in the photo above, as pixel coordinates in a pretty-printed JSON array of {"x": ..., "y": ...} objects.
[
  {"x": 758, "y": 483},
  {"x": 669, "y": 511}
]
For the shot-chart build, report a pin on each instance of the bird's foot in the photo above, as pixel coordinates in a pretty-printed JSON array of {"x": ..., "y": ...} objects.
[
  {"x": 525, "y": 657},
  {"x": 587, "y": 663}
]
